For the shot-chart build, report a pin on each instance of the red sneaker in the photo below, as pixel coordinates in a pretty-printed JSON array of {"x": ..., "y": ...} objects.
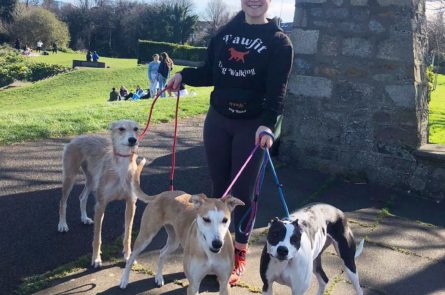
[{"x": 240, "y": 266}]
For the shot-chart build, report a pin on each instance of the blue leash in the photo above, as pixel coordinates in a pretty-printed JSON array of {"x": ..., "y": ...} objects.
[{"x": 252, "y": 211}]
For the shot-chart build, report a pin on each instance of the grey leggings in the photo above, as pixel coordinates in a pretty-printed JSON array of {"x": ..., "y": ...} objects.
[{"x": 228, "y": 143}]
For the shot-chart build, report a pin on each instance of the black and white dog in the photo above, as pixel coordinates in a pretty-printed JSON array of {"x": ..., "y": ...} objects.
[{"x": 294, "y": 247}]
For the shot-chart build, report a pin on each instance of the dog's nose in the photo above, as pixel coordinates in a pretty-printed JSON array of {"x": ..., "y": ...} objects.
[
  {"x": 282, "y": 251},
  {"x": 132, "y": 140},
  {"x": 216, "y": 244}
]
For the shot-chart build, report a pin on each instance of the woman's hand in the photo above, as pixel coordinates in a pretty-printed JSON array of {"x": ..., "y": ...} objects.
[
  {"x": 174, "y": 83},
  {"x": 265, "y": 140}
]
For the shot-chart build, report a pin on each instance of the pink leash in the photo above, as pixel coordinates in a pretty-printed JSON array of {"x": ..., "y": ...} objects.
[{"x": 240, "y": 171}]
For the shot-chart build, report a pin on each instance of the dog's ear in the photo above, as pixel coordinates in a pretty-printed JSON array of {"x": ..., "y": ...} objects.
[
  {"x": 275, "y": 219},
  {"x": 231, "y": 202},
  {"x": 197, "y": 200},
  {"x": 112, "y": 125},
  {"x": 297, "y": 225}
]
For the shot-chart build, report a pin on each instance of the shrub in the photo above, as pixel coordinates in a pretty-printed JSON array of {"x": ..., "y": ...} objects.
[
  {"x": 146, "y": 49},
  {"x": 13, "y": 66},
  {"x": 42, "y": 70}
]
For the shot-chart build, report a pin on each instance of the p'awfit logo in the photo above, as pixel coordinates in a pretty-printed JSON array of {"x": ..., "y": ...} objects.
[{"x": 237, "y": 55}]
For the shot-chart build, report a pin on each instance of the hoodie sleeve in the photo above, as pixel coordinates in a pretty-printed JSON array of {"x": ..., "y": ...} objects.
[
  {"x": 277, "y": 77},
  {"x": 203, "y": 75}
]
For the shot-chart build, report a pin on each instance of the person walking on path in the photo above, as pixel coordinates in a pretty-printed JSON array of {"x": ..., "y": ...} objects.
[
  {"x": 17, "y": 44},
  {"x": 153, "y": 67},
  {"x": 54, "y": 47},
  {"x": 164, "y": 70},
  {"x": 248, "y": 62},
  {"x": 39, "y": 45}
]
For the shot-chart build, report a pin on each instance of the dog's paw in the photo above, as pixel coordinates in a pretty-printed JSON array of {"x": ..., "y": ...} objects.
[
  {"x": 86, "y": 220},
  {"x": 159, "y": 280},
  {"x": 62, "y": 227},
  {"x": 127, "y": 257},
  {"x": 96, "y": 263},
  {"x": 124, "y": 282}
]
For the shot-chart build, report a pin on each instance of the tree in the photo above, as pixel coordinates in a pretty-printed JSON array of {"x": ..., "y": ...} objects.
[
  {"x": 7, "y": 10},
  {"x": 37, "y": 23},
  {"x": 182, "y": 20},
  {"x": 217, "y": 14}
]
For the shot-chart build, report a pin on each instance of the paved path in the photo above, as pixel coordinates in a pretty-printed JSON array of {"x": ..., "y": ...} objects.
[{"x": 404, "y": 253}]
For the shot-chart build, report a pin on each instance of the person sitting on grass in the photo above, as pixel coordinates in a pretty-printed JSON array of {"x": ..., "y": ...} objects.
[
  {"x": 138, "y": 93},
  {"x": 123, "y": 91},
  {"x": 114, "y": 95}
]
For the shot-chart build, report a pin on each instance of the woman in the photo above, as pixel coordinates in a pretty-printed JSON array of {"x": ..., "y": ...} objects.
[
  {"x": 248, "y": 62},
  {"x": 164, "y": 69},
  {"x": 153, "y": 67}
]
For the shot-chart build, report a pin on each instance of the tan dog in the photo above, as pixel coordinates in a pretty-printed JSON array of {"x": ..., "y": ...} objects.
[
  {"x": 199, "y": 224},
  {"x": 109, "y": 168}
]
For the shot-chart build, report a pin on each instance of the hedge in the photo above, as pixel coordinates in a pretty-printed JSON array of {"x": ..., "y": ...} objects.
[
  {"x": 146, "y": 49},
  {"x": 14, "y": 66}
]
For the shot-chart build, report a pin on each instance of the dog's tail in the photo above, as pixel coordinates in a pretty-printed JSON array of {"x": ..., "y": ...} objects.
[
  {"x": 359, "y": 249},
  {"x": 137, "y": 183}
]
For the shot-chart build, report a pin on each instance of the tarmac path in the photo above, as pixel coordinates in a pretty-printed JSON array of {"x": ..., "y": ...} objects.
[{"x": 404, "y": 253}]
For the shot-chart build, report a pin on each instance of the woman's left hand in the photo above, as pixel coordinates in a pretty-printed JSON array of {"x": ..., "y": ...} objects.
[{"x": 265, "y": 140}]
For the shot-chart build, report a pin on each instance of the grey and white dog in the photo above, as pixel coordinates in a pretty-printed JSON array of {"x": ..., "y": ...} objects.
[{"x": 294, "y": 247}]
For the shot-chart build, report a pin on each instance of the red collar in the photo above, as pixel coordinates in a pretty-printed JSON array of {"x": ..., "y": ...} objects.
[{"x": 123, "y": 156}]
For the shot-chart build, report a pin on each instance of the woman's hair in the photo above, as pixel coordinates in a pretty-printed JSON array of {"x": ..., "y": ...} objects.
[{"x": 167, "y": 59}]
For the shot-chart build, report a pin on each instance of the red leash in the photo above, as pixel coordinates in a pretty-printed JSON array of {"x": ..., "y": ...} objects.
[
  {"x": 141, "y": 136},
  {"x": 172, "y": 170}
]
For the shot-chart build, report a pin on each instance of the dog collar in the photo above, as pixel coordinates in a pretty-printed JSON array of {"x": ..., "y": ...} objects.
[{"x": 123, "y": 156}]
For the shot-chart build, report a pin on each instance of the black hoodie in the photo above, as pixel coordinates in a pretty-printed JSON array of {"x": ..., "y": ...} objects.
[{"x": 249, "y": 66}]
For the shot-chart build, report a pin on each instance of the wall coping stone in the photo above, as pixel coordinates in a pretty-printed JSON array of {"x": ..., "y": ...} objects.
[{"x": 431, "y": 152}]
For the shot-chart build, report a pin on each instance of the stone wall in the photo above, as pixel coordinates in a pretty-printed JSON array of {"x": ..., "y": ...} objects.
[{"x": 357, "y": 101}]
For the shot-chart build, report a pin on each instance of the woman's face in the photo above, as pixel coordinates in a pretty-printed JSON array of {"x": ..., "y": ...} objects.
[{"x": 255, "y": 10}]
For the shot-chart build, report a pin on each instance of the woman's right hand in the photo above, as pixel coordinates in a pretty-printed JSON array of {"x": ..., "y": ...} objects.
[{"x": 175, "y": 82}]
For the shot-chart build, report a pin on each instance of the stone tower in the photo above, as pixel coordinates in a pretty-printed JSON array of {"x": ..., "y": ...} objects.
[{"x": 357, "y": 102}]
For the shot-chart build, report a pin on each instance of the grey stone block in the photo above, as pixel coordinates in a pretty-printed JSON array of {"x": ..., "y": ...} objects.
[
  {"x": 360, "y": 14},
  {"x": 306, "y": 41},
  {"x": 352, "y": 27},
  {"x": 375, "y": 26},
  {"x": 395, "y": 3},
  {"x": 402, "y": 95},
  {"x": 337, "y": 13},
  {"x": 357, "y": 47},
  {"x": 310, "y": 86},
  {"x": 399, "y": 49},
  {"x": 303, "y": 67},
  {"x": 359, "y": 2}
]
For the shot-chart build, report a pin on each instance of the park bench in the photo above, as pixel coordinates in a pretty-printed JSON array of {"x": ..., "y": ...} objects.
[{"x": 90, "y": 64}]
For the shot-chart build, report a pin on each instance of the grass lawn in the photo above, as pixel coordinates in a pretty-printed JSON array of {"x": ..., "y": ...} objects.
[
  {"x": 76, "y": 102},
  {"x": 437, "y": 113}
]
